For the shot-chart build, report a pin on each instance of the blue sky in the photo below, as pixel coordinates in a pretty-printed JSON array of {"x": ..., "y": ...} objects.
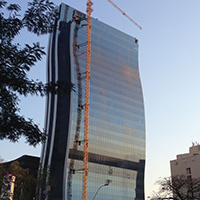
[{"x": 169, "y": 62}]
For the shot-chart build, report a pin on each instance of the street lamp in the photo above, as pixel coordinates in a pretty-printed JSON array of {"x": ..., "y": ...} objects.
[{"x": 106, "y": 184}]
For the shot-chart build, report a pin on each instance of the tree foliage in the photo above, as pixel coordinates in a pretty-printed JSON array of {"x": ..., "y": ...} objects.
[
  {"x": 25, "y": 183},
  {"x": 16, "y": 61},
  {"x": 178, "y": 188}
]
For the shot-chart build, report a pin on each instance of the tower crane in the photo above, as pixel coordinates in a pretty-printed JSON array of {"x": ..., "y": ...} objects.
[
  {"x": 87, "y": 90},
  {"x": 87, "y": 100}
]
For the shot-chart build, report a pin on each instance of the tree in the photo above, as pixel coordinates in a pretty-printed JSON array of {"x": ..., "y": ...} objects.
[
  {"x": 178, "y": 188},
  {"x": 28, "y": 183},
  {"x": 2, "y": 170},
  {"x": 16, "y": 61},
  {"x": 25, "y": 183}
]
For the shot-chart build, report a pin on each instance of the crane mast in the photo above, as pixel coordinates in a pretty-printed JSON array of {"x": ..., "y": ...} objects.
[{"x": 87, "y": 100}]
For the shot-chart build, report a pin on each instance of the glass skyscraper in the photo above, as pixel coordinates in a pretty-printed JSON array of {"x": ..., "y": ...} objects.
[{"x": 116, "y": 118}]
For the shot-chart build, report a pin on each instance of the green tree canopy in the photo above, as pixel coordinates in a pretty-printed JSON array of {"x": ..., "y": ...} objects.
[
  {"x": 25, "y": 183},
  {"x": 16, "y": 61}
]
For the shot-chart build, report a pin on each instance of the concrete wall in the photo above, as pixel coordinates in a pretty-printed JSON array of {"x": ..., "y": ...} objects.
[{"x": 187, "y": 164}]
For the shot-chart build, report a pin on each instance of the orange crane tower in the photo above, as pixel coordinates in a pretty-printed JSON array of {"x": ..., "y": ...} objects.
[{"x": 87, "y": 99}]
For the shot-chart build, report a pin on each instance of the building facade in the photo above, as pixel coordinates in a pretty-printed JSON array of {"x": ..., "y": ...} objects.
[
  {"x": 187, "y": 164},
  {"x": 116, "y": 119}
]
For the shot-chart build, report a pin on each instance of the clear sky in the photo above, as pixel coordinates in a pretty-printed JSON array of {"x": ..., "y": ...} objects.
[{"x": 169, "y": 62}]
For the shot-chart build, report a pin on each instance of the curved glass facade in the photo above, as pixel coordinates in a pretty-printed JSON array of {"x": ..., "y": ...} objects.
[{"x": 116, "y": 119}]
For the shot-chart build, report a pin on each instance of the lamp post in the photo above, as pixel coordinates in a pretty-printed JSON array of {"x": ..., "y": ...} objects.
[{"x": 106, "y": 184}]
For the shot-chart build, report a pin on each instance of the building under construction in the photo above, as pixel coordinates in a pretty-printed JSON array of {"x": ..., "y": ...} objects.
[{"x": 116, "y": 152}]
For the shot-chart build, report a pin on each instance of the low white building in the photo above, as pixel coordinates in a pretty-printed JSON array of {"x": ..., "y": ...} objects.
[{"x": 187, "y": 164}]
